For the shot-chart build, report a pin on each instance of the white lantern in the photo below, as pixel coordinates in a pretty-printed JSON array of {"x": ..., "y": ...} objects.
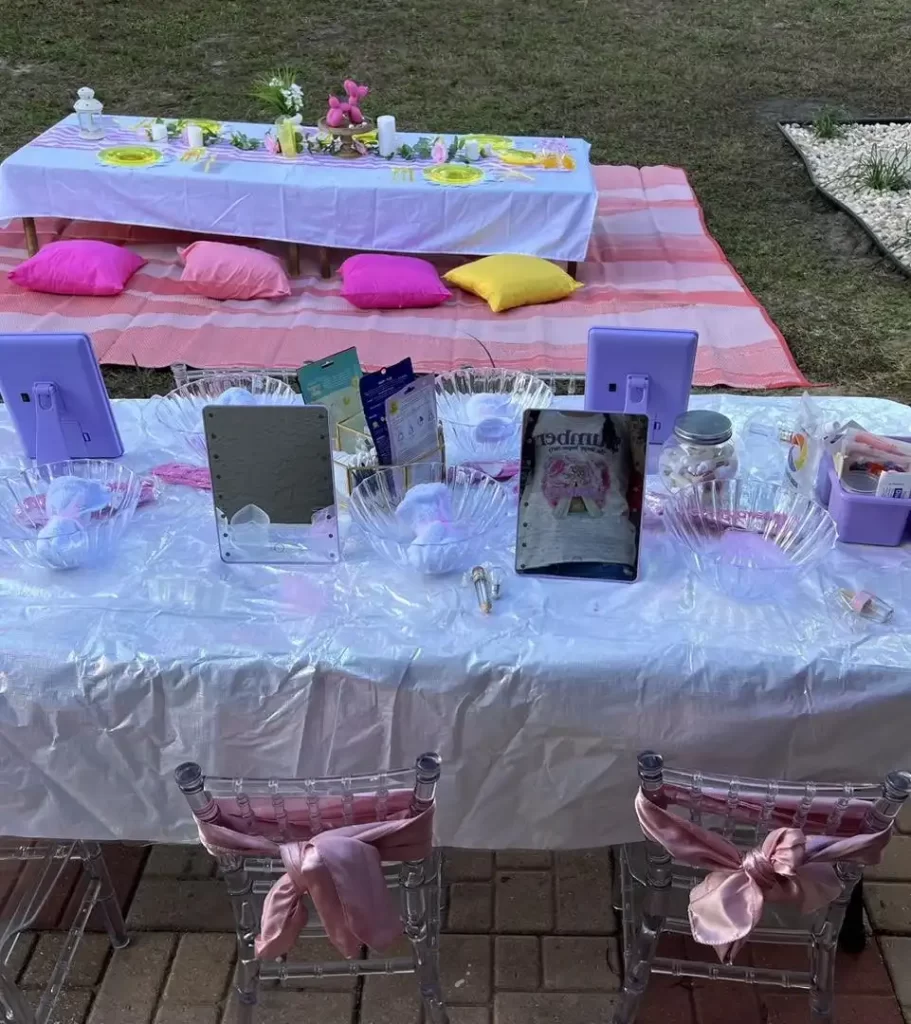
[{"x": 88, "y": 111}]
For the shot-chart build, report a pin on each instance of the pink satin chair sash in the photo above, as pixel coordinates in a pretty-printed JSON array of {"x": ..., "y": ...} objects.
[
  {"x": 789, "y": 867},
  {"x": 340, "y": 868}
]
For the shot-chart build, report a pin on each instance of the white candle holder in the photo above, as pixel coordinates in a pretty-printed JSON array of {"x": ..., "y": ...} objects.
[{"x": 88, "y": 112}]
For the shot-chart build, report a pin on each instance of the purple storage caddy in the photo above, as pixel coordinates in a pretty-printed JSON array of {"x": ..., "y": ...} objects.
[{"x": 861, "y": 518}]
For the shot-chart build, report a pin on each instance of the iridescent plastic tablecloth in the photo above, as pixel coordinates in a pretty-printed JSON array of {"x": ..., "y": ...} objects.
[{"x": 111, "y": 678}]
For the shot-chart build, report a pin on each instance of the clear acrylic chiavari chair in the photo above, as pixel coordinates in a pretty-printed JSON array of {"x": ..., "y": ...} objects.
[
  {"x": 656, "y": 888},
  {"x": 42, "y": 864},
  {"x": 295, "y": 810}
]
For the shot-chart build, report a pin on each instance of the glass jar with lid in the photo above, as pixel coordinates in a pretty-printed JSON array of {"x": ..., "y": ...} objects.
[{"x": 700, "y": 449}]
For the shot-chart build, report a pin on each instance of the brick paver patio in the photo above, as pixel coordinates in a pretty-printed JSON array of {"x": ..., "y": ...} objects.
[{"x": 531, "y": 938}]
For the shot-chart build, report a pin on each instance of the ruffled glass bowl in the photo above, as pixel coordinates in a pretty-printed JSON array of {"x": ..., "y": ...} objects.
[
  {"x": 75, "y": 541},
  {"x": 479, "y": 505},
  {"x": 481, "y": 411},
  {"x": 748, "y": 538},
  {"x": 180, "y": 411}
]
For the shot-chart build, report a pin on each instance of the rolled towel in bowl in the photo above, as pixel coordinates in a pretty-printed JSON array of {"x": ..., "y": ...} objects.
[
  {"x": 424, "y": 503},
  {"x": 236, "y": 396},
  {"x": 494, "y": 416},
  {"x": 75, "y": 496},
  {"x": 63, "y": 543},
  {"x": 436, "y": 548}
]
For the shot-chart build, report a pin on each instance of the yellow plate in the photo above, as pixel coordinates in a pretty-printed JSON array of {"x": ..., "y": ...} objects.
[
  {"x": 495, "y": 142},
  {"x": 129, "y": 156},
  {"x": 520, "y": 157},
  {"x": 203, "y": 122},
  {"x": 454, "y": 174}
]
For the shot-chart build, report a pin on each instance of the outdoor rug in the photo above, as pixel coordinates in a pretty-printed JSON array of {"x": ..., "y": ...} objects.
[{"x": 651, "y": 263}]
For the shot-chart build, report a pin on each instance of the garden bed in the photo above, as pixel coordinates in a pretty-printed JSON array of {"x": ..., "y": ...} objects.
[{"x": 842, "y": 167}]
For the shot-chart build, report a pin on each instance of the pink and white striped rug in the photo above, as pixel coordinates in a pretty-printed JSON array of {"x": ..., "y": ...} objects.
[{"x": 652, "y": 263}]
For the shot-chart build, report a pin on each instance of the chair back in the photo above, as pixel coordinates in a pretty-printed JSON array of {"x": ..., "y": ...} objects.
[
  {"x": 291, "y": 809},
  {"x": 748, "y": 809}
]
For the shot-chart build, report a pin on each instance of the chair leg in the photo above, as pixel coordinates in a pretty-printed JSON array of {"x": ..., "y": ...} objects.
[
  {"x": 421, "y": 906},
  {"x": 108, "y": 903},
  {"x": 13, "y": 1007},
  {"x": 427, "y": 968},
  {"x": 638, "y": 968},
  {"x": 246, "y": 976},
  {"x": 822, "y": 983}
]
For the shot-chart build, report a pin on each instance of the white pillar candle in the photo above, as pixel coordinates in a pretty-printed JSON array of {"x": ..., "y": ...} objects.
[
  {"x": 385, "y": 132},
  {"x": 159, "y": 132},
  {"x": 194, "y": 136},
  {"x": 472, "y": 150}
]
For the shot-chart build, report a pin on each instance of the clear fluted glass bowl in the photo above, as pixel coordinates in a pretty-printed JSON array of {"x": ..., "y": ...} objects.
[
  {"x": 180, "y": 411},
  {"x": 748, "y": 538},
  {"x": 481, "y": 411},
  {"x": 33, "y": 536},
  {"x": 476, "y": 507}
]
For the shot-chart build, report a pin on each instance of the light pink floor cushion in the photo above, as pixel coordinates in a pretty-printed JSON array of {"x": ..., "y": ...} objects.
[
  {"x": 220, "y": 270},
  {"x": 79, "y": 267},
  {"x": 375, "y": 281}
]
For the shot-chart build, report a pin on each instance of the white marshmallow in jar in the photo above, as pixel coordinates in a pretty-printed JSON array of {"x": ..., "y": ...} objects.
[{"x": 700, "y": 449}]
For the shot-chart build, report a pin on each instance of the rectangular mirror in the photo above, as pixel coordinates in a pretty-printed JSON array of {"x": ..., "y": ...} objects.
[
  {"x": 272, "y": 483},
  {"x": 580, "y": 494}
]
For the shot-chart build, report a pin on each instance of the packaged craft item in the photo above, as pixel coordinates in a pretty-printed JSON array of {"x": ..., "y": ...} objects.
[{"x": 700, "y": 450}]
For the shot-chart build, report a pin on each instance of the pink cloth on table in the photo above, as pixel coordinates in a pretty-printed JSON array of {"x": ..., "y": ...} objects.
[
  {"x": 789, "y": 867},
  {"x": 340, "y": 867}
]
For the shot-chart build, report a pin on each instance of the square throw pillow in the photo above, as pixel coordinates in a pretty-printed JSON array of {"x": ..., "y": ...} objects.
[
  {"x": 79, "y": 267},
  {"x": 220, "y": 270},
  {"x": 375, "y": 281},
  {"x": 509, "y": 281}
]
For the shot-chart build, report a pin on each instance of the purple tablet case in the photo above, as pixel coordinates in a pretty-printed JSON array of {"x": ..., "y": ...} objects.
[
  {"x": 861, "y": 518},
  {"x": 637, "y": 370},
  {"x": 52, "y": 386}
]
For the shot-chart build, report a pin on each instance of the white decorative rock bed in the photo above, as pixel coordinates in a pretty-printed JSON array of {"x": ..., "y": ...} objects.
[{"x": 832, "y": 165}]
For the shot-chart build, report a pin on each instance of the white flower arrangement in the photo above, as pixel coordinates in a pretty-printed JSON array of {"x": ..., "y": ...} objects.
[{"x": 279, "y": 92}]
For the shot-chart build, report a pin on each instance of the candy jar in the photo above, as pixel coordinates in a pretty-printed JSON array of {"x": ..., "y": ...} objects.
[{"x": 699, "y": 450}]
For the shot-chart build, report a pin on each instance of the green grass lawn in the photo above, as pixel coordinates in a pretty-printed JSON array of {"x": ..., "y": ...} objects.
[{"x": 696, "y": 83}]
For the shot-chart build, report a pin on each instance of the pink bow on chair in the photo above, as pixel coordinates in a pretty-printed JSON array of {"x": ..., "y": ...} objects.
[
  {"x": 342, "y": 870},
  {"x": 789, "y": 867}
]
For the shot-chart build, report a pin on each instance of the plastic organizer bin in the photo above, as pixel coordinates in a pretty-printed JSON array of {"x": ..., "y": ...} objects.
[{"x": 861, "y": 518}]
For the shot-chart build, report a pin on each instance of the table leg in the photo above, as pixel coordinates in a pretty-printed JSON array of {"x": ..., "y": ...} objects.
[
  {"x": 852, "y": 938},
  {"x": 31, "y": 235},
  {"x": 294, "y": 259},
  {"x": 325, "y": 263},
  {"x": 572, "y": 268}
]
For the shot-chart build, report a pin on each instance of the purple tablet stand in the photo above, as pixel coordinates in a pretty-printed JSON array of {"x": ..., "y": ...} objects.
[
  {"x": 861, "y": 518},
  {"x": 54, "y": 392},
  {"x": 640, "y": 370}
]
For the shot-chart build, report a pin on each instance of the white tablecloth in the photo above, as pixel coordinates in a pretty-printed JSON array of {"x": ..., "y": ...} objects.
[
  {"x": 315, "y": 200},
  {"x": 109, "y": 679}
]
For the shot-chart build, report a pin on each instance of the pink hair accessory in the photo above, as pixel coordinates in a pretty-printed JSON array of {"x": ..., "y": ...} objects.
[{"x": 185, "y": 475}]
